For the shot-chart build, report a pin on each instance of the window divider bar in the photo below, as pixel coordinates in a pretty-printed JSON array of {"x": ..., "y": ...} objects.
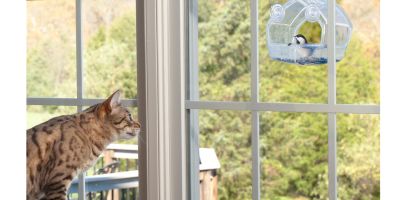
[
  {"x": 284, "y": 107},
  {"x": 74, "y": 101},
  {"x": 254, "y": 100},
  {"x": 193, "y": 94},
  {"x": 79, "y": 54},
  {"x": 194, "y": 151},
  {"x": 332, "y": 156},
  {"x": 193, "y": 51},
  {"x": 332, "y": 134},
  {"x": 255, "y": 152},
  {"x": 254, "y": 52},
  {"x": 331, "y": 53},
  {"x": 79, "y": 80}
]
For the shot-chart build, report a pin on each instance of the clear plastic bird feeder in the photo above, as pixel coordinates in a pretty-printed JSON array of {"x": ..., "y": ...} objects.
[{"x": 285, "y": 22}]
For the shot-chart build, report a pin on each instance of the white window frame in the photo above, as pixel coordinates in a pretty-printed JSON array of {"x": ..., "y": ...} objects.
[
  {"x": 193, "y": 104},
  {"x": 168, "y": 99},
  {"x": 163, "y": 164}
]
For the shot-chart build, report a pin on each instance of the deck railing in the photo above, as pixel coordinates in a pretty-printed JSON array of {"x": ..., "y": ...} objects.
[{"x": 115, "y": 175}]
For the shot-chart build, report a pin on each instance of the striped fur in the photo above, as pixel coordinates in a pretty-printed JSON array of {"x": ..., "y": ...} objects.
[{"x": 62, "y": 147}]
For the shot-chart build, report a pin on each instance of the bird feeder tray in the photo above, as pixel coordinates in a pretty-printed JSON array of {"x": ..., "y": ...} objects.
[{"x": 285, "y": 22}]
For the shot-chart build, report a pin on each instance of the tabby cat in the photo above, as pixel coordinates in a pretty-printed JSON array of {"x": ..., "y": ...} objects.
[{"x": 62, "y": 147}]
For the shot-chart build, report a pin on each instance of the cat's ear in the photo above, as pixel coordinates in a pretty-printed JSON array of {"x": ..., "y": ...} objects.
[
  {"x": 107, "y": 106},
  {"x": 115, "y": 99}
]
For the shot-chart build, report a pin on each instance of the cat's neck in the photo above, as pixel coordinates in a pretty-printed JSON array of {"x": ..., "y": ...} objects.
[{"x": 98, "y": 131}]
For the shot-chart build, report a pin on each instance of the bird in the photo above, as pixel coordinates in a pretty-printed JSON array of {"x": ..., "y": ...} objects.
[{"x": 300, "y": 40}]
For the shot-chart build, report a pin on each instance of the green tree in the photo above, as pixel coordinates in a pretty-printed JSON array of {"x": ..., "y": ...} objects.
[{"x": 293, "y": 146}]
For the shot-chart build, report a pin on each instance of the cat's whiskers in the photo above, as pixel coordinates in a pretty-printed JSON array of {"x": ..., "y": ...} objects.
[{"x": 141, "y": 139}]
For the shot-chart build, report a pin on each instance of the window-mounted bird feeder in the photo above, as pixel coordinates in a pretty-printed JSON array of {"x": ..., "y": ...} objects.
[{"x": 286, "y": 44}]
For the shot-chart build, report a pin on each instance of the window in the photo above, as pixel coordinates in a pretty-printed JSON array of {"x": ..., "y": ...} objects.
[
  {"x": 79, "y": 52},
  {"x": 253, "y": 111},
  {"x": 280, "y": 130}
]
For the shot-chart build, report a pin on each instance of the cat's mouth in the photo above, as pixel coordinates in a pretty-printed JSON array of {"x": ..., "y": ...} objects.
[
  {"x": 131, "y": 134},
  {"x": 137, "y": 131},
  {"x": 134, "y": 134}
]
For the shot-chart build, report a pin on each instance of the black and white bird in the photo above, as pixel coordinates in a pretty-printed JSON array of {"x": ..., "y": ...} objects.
[{"x": 300, "y": 40}]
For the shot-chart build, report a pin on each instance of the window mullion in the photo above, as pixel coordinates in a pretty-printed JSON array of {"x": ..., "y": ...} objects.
[
  {"x": 79, "y": 79},
  {"x": 332, "y": 135},
  {"x": 332, "y": 156},
  {"x": 193, "y": 84},
  {"x": 79, "y": 54},
  {"x": 74, "y": 101},
  {"x": 255, "y": 135},
  {"x": 255, "y": 152},
  {"x": 284, "y": 107}
]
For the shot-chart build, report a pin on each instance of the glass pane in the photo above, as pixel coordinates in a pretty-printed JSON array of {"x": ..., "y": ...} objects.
[
  {"x": 224, "y": 50},
  {"x": 39, "y": 114},
  {"x": 110, "y": 48},
  {"x": 51, "y": 65},
  {"x": 228, "y": 133},
  {"x": 358, "y": 156},
  {"x": 294, "y": 156},
  {"x": 286, "y": 82},
  {"x": 358, "y": 74}
]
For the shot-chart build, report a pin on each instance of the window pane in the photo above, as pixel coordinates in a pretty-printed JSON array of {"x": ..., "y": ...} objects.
[
  {"x": 51, "y": 65},
  {"x": 358, "y": 156},
  {"x": 294, "y": 156},
  {"x": 224, "y": 50},
  {"x": 39, "y": 114},
  {"x": 109, "y": 48},
  {"x": 284, "y": 82},
  {"x": 358, "y": 74},
  {"x": 228, "y": 133}
]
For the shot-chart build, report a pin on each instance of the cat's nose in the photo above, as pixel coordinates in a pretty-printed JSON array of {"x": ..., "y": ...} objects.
[{"x": 136, "y": 125}]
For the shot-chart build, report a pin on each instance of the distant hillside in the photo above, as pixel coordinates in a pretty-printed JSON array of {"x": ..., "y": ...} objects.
[
  {"x": 366, "y": 21},
  {"x": 56, "y": 19}
]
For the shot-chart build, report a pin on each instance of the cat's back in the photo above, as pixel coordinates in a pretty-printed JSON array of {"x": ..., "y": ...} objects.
[
  {"x": 44, "y": 145},
  {"x": 50, "y": 124},
  {"x": 47, "y": 131},
  {"x": 42, "y": 138}
]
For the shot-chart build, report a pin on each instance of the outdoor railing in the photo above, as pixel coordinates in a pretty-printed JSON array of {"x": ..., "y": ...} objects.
[
  {"x": 113, "y": 178},
  {"x": 115, "y": 175}
]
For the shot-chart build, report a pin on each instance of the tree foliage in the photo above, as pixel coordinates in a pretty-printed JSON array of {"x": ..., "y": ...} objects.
[{"x": 293, "y": 146}]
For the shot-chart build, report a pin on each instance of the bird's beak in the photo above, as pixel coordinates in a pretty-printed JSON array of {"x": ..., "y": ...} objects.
[{"x": 289, "y": 44}]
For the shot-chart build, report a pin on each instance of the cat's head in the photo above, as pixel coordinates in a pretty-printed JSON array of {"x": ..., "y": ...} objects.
[{"x": 118, "y": 117}]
